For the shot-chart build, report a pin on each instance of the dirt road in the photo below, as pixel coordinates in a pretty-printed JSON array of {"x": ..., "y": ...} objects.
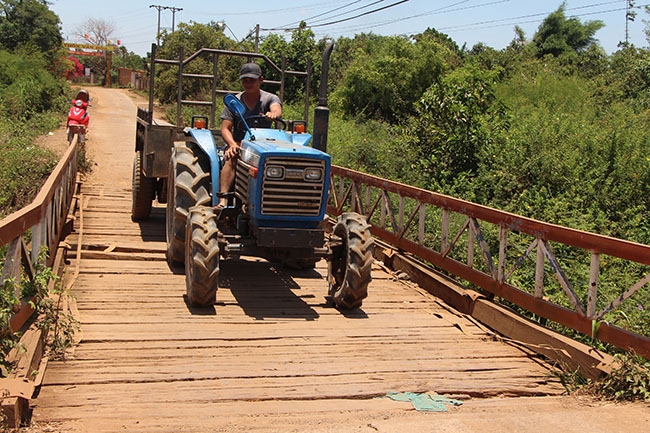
[{"x": 142, "y": 383}]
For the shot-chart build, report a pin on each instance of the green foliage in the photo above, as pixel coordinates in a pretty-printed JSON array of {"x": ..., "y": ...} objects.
[
  {"x": 559, "y": 35},
  {"x": 562, "y": 151},
  {"x": 8, "y": 340},
  {"x": 26, "y": 86},
  {"x": 23, "y": 168},
  {"x": 125, "y": 59},
  {"x": 627, "y": 79},
  {"x": 29, "y": 23},
  {"x": 32, "y": 102},
  {"x": 387, "y": 76},
  {"x": 630, "y": 381},
  {"x": 192, "y": 37},
  {"x": 59, "y": 325},
  {"x": 369, "y": 146},
  {"x": 456, "y": 118},
  {"x": 296, "y": 53}
]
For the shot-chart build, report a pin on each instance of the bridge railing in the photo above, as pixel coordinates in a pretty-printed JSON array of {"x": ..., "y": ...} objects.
[
  {"x": 38, "y": 227},
  {"x": 520, "y": 260}
]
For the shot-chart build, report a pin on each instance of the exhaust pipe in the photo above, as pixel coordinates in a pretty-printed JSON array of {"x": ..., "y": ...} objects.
[{"x": 321, "y": 112}]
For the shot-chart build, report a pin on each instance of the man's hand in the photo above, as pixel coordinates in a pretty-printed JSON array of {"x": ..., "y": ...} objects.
[
  {"x": 232, "y": 152},
  {"x": 275, "y": 112}
]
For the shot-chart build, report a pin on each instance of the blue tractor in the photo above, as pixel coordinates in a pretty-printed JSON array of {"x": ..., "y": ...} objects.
[{"x": 276, "y": 207}]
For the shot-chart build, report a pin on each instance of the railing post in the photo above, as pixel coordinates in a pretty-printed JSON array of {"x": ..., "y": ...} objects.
[
  {"x": 503, "y": 249},
  {"x": 594, "y": 270},
  {"x": 471, "y": 230},
  {"x": 421, "y": 225},
  {"x": 444, "y": 231},
  {"x": 539, "y": 270},
  {"x": 12, "y": 267}
]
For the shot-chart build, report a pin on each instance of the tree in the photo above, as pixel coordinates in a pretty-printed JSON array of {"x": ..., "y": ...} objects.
[
  {"x": 29, "y": 23},
  {"x": 193, "y": 36},
  {"x": 558, "y": 35},
  {"x": 390, "y": 73},
  {"x": 297, "y": 53},
  {"x": 123, "y": 58},
  {"x": 97, "y": 31},
  {"x": 519, "y": 41},
  {"x": 454, "y": 121}
]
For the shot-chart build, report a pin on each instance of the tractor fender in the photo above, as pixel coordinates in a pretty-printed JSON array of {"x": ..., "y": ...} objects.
[{"x": 205, "y": 140}]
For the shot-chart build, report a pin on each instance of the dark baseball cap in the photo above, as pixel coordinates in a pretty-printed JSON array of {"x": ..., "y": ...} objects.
[{"x": 250, "y": 70}]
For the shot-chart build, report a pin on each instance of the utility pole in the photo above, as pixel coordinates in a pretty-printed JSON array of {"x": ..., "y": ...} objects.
[
  {"x": 171, "y": 8},
  {"x": 629, "y": 16}
]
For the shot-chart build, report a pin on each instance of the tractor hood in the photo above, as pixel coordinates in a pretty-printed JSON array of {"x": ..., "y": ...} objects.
[
  {"x": 278, "y": 137},
  {"x": 275, "y": 142}
]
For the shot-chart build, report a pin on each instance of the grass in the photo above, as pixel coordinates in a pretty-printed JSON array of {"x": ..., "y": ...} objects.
[{"x": 24, "y": 166}]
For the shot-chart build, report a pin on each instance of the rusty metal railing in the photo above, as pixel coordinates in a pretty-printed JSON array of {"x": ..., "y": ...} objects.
[
  {"x": 521, "y": 260},
  {"x": 38, "y": 226}
]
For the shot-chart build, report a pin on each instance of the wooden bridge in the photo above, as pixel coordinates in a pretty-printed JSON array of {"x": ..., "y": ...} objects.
[{"x": 271, "y": 355}]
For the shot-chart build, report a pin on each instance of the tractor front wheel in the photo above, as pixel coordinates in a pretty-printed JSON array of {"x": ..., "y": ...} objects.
[
  {"x": 202, "y": 257},
  {"x": 188, "y": 184},
  {"x": 351, "y": 262}
]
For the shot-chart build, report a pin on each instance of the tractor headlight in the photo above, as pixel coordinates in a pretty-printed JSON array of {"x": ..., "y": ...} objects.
[
  {"x": 313, "y": 174},
  {"x": 274, "y": 172}
]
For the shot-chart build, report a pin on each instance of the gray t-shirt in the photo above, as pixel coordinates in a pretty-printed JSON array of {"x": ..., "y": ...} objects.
[{"x": 262, "y": 107}]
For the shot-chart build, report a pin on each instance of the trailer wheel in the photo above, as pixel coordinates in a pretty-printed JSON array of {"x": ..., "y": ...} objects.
[
  {"x": 143, "y": 191},
  {"x": 351, "y": 263},
  {"x": 188, "y": 185},
  {"x": 202, "y": 257}
]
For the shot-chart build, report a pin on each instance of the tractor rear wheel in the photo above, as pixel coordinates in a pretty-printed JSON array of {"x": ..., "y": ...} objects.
[
  {"x": 351, "y": 263},
  {"x": 202, "y": 257},
  {"x": 142, "y": 191},
  {"x": 188, "y": 184}
]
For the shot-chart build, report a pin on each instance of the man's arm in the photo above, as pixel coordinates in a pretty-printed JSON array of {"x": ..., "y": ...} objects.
[{"x": 275, "y": 111}]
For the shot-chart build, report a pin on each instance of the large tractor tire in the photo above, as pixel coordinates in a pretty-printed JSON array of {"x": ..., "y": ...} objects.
[
  {"x": 188, "y": 185},
  {"x": 202, "y": 257},
  {"x": 143, "y": 191},
  {"x": 351, "y": 263}
]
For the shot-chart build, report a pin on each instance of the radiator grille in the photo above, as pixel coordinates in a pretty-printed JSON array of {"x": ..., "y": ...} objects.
[{"x": 293, "y": 194}]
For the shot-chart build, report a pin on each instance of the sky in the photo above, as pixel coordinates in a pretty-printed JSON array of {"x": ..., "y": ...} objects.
[{"x": 491, "y": 22}]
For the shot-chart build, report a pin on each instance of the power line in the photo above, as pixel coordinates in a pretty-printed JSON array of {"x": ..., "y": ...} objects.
[
  {"x": 348, "y": 12},
  {"x": 321, "y": 14},
  {"x": 344, "y": 19},
  {"x": 270, "y": 11},
  {"x": 482, "y": 24},
  {"x": 444, "y": 9}
]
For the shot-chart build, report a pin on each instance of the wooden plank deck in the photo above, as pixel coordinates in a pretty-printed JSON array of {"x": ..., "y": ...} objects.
[{"x": 271, "y": 345}]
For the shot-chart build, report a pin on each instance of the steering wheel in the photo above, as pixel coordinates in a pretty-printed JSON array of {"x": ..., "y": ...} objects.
[{"x": 257, "y": 122}]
